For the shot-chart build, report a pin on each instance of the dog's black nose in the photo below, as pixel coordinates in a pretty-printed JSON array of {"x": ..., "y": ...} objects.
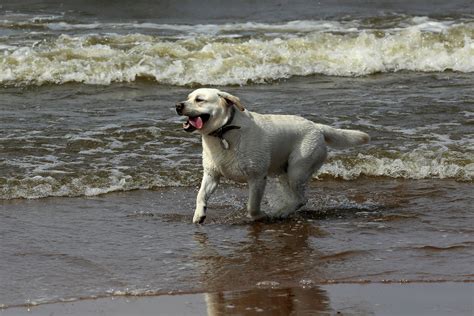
[{"x": 180, "y": 108}]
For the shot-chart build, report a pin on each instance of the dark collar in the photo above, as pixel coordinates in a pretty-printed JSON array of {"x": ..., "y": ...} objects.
[{"x": 219, "y": 133}]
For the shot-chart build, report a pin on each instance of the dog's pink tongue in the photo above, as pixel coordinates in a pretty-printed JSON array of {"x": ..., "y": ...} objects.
[{"x": 196, "y": 122}]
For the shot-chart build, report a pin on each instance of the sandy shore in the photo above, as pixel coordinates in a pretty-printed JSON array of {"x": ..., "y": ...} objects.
[{"x": 338, "y": 299}]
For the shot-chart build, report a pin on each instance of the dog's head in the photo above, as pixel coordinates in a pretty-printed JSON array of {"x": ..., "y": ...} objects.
[{"x": 207, "y": 109}]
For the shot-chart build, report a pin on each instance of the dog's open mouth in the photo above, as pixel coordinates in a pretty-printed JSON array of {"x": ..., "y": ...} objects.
[{"x": 196, "y": 122}]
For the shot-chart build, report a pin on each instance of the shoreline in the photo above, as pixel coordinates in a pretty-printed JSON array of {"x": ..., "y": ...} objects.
[
  {"x": 453, "y": 298},
  {"x": 270, "y": 286}
]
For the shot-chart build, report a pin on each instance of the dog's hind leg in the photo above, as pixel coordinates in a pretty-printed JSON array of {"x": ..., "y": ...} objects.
[
  {"x": 301, "y": 166},
  {"x": 291, "y": 195},
  {"x": 285, "y": 198},
  {"x": 208, "y": 186}
]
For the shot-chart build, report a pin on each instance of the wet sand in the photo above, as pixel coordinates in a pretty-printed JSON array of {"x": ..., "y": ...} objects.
[
  {"x": 341, "y": 299},
  {"x": 385, "y": 246}
]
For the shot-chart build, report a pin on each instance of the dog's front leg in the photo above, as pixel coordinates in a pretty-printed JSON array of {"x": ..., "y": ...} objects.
[
  {"x": 256, "y": 190},
  {"x": 208, "y": 186}
]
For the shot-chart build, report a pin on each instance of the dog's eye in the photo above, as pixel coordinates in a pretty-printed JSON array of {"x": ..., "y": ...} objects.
[{"x": 198, "y": 99}]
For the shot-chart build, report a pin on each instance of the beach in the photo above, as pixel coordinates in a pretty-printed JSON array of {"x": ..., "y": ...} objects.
[
  {"x": 121, "y": 247},
  {"x": 98, "y": 180},
  {"x": 413, "y": 299}
]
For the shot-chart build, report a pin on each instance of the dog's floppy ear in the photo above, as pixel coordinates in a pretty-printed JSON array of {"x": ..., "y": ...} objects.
[{"x": 231, "y": 99}]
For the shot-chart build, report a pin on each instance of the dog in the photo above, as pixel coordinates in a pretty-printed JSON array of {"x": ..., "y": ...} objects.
[{"x": 246, "y": 146}]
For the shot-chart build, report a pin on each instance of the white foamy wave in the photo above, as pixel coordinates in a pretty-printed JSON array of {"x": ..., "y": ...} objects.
[
  {"x": 412, "y": 165},
  {"x": 35, "y": 187},
  {"x": 56, "y": 23},
  {"x": 302, "y": 26},
  {"x": 63, "y": 26},
  {"x": 137, "y": 292},
  {"x": 7, "y": 47},
  {"x": 212, "y": 60}
]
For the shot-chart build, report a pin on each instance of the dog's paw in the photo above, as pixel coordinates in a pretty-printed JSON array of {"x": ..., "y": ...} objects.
[
  {"x": 199, "y": 215},
  {"x": 258, "y": 217},
  {"x": 199, "y": 219},
  {"x": 288, "y": 210},
  {"x": 282, "y": 214}
]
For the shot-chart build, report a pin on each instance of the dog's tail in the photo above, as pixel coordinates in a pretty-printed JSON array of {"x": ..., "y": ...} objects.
[{"x": 343, "y": 138}]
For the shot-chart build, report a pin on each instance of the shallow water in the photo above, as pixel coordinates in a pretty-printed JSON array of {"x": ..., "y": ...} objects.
[
  {"x": 87, "y": 94},
  {"x": 86, "y": 140},
  {"x": 143, "y": 242}
]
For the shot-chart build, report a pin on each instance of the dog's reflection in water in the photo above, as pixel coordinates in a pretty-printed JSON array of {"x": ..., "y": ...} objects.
[{"x": 266, "y": 273}]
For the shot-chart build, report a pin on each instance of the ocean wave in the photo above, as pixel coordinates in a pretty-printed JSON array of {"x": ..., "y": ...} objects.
[
  {"x": 394, "y": 23},
  {"x": 213, "y": 29},
  {"x": 298, "y": 49},
  {"x": 58, "y": 185},
  {"x": 412, "y": 165}
]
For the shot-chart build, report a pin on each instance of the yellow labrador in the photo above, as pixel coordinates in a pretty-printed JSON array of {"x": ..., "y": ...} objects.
[{"x": 247, "y": 147}]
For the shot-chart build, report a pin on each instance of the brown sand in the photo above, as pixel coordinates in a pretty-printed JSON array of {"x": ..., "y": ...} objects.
[{"x": 339, "y": 299}]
